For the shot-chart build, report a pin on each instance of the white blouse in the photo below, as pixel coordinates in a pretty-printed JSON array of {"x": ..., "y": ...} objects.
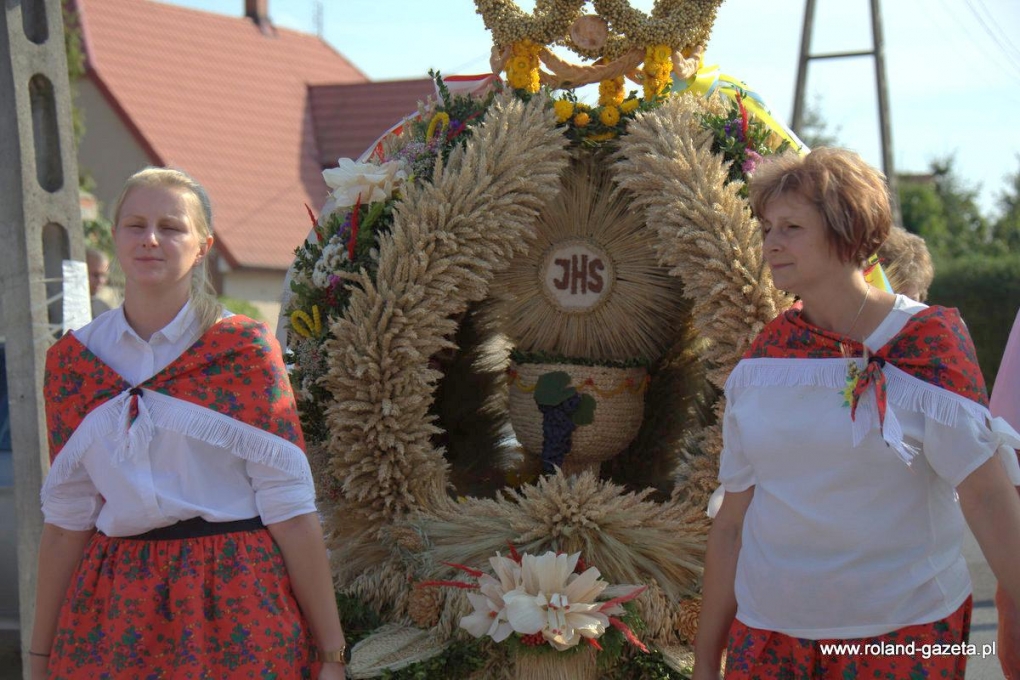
[
  {"x": 843, "y": 539},
  {"x": 182, "y": 469}
]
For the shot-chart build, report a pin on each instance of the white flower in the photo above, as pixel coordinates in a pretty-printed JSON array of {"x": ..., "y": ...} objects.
[
  {"x": 543, "y": 595},
  {"x": 489, "y": 617},
  {"x": 372, "y": 182},
  {"x": 334, "y": 254},
  {"x": 557, "y": 602}
]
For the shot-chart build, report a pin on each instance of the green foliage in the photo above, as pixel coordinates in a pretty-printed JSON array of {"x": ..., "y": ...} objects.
[
  {"x": 1006, "y": 229},
  {"x": 459, "y": 660},
  {"x": 640, "y": 666},
  {"x": 359, "y": 619},
  {"x": 943, "y": 210},
  {"x": 521, "y": 357},
  {"x": 986, "y": 290},
  {"x": 239, "y": 306},
  {"x": 742, "y": 140}
]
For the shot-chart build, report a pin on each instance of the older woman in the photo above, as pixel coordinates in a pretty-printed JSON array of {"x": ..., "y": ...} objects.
[
  {"x": 851, "y": 426},
  {"x": 181, "y": 539}
]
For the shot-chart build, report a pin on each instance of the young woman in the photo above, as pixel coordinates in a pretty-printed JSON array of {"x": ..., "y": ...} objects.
[
  {"x": 850, "y": 427},
  {"x": 181, "y": 538}
]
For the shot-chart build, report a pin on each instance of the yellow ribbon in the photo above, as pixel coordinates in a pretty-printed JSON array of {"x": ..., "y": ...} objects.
[{"x": 708, "y": 80}]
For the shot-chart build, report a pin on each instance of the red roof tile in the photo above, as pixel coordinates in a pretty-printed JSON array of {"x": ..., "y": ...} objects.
[
  {"x": 350, "y": 118},
  {"x": 212, "y": 95}
]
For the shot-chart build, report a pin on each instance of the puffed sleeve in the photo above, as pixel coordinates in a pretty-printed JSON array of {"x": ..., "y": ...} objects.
[
  {"x": 956, "y": 451},
  {"x": 735, "y": 471},
  {"x": 74, "y": 503},
  {"x": 279, "y": 496}
]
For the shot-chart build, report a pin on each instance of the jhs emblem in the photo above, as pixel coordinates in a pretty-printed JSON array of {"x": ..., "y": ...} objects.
[{"x": 576, "y": 275}]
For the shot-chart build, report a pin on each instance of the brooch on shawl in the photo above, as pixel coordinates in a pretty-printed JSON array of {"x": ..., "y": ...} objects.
[{"x": 858, "y": 380}]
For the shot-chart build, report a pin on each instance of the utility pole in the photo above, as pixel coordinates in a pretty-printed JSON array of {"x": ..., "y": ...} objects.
[
  {"x": 40, "y": 226},
  {"x": 878, "y": 53}
]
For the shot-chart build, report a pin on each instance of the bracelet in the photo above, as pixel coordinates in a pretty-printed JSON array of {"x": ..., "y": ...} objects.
[
  {"x": 335, "y": 656},
  {"x": 31, "y": 653}
]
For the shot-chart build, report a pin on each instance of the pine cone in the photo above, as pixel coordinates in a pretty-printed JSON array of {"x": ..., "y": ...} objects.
[
  {"x": 687, "y": 618},
  {"x": 424, "y": 606}
]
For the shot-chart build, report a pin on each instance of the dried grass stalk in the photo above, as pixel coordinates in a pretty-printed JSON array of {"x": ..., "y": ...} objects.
[
  {"x": 708, "y": 236},
  {"x": 448, "y": 239}
]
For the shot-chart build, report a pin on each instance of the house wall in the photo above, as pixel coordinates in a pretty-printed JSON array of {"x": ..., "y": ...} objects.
[
  {"x": 261, "y": 287},
  {"x": 108, "y": 150}
]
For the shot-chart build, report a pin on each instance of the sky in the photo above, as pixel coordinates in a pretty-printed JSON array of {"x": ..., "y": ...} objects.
[{"x": 952, "y": 66}]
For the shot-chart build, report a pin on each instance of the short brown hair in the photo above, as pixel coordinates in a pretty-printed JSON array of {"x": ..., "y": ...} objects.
[{"x": 851, "y": 196}]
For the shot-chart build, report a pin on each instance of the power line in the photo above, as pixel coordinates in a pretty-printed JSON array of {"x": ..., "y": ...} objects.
[
  {"x": 992, "y": 35},
  {"x": 1002, "y": 34}
]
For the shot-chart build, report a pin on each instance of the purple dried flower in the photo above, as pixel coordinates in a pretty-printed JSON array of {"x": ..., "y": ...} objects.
[{"x": 751, "y": 162}]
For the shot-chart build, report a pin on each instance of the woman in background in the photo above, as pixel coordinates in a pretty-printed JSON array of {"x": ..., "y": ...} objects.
[
  {"x": 1005, "y": 403},
  {"x": 181, "y": 538},
  {"x": 850, "y": 426}
]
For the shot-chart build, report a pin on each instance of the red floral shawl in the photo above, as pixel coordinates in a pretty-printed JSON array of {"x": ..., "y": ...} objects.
[{"x": 234, "y": 369}]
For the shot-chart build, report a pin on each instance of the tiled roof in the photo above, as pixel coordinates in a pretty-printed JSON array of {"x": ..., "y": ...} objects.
[
  {"x": 212, "y": 95},
  {"x": 349, "y": 118}
]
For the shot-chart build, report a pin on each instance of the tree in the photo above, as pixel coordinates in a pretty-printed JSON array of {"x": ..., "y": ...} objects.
[
  {"x": 814, "y": 129},
  {"x": 1006, "y": 229},
  {"x": 943, "y": 210}
]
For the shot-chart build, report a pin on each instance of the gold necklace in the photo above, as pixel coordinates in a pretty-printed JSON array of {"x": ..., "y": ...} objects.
[{"x": 867, "y": 293}]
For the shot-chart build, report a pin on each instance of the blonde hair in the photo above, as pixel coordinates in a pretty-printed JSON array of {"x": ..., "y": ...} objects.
[
  {"x": 907, "y": 263},
  {"x": 851, "y": 196},
  {"x": 202, "y": 296}
]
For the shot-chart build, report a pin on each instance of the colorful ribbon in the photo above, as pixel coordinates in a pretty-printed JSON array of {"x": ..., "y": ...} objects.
[{"x": 709, "y": 80}]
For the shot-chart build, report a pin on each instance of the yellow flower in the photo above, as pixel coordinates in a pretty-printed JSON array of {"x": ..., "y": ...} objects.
[
  {"x": 601, "y": 137},
  {"x": 629, "y": 105},
  {"x": 610, "y": 116},
  {"x": 611, "y": 92},
  {"x": 564, "y": 110},
  {"x": 519, "y": 65},
  {"x": 582, "y": 119},
  {"x": 662, "y": 53}
]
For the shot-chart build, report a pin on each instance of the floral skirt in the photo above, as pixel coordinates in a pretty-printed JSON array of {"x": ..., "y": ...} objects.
[
  {"x": 211, "y": 608},
  {"x": 929, "y": 650}
]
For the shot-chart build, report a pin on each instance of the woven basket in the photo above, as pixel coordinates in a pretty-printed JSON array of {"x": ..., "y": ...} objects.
[
  {"x": 549, "y": 665},
  {"x": 620, "y": 406}
]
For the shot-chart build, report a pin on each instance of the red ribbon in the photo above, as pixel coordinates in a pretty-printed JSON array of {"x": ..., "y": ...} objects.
[
  {"x": 872, "y": 375},
  {"x": 354, "y": 229}
]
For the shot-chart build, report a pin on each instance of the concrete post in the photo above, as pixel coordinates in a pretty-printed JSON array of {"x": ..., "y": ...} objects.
[{"x": 40, "y": 225}]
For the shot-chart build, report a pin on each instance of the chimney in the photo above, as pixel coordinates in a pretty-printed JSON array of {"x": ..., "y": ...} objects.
[{"x": 258, "y": 12}]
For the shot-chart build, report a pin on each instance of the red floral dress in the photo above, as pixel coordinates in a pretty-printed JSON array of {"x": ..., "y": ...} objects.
[{"x": 210, "y": 608}]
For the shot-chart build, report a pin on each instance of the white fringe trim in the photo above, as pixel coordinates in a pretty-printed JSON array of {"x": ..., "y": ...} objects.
[
  {"x": 156, "y": 410},
  {"x": 904, "y": 392}
]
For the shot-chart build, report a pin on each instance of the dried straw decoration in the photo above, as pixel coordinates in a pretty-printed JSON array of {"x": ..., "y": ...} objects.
[
  {"x": 396, "y": 521},
  {"x": 707, "y": 235},
  {"x": 636, "y": 318}
]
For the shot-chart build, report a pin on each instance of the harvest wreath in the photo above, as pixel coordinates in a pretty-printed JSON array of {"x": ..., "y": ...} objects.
[{"x": 485, "y": 239}]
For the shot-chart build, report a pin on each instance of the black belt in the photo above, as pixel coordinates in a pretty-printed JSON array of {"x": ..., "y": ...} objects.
[{"x": 197, "y": 528}]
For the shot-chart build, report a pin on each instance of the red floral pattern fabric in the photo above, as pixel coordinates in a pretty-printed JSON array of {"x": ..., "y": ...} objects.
[
  {"x": 208, "y": 608},
  {"x": 235, "y": 368},
  {"x": 754, "y": 654},
  {"x": 934, "y": 346}
]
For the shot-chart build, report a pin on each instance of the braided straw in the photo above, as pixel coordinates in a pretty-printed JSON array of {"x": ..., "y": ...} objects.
[{"x": 568, "y": 74}]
